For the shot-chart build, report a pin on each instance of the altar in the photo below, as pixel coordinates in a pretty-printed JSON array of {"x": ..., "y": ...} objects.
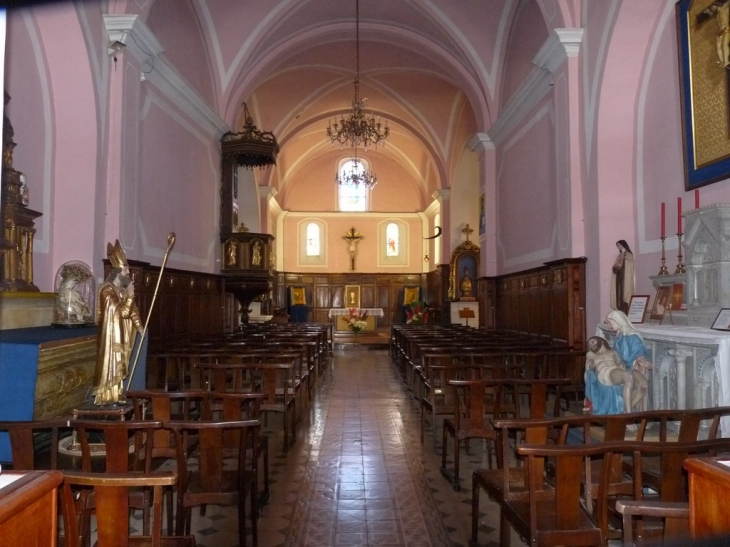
[
  {"x": 691, "y": 367},
  {"x": 340, "y": 316}
]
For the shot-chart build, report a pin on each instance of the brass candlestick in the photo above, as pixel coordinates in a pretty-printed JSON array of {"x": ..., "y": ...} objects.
[
  {"x": 680, "y": 265},
  {"x": 663, "y": 270}
]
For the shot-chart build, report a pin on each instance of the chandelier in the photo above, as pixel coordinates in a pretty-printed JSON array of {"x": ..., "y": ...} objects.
[
  {"x": 356, "y": 174},
  {"x": 357, "y": 129}
]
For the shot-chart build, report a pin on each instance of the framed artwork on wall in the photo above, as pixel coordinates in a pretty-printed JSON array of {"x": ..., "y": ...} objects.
[
  {"x": 352, "y": 296},
  {"x": 704, "y": 84},
  {"x": 298, "y": 296},
  {"x": 411, "y": 294}
]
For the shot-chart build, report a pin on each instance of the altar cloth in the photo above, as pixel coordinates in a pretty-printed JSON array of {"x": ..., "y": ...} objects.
[{"x": 377, "y": 312}]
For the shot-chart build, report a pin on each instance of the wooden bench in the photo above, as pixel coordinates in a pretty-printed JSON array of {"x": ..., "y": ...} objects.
[
  {"x": 511, "y": 482},
  {"x": 545, "y": 523}
]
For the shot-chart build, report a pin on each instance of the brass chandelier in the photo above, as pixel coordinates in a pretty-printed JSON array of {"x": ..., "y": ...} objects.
[
  {"x": 357, "y": 129},
  {"x": 356, "y": 174}
]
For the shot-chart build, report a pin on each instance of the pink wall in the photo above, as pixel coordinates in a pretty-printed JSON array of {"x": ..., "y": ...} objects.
[
  {"x": 338, "y": 259},
  {"x": 527, "y": 35},
  {"x": 526, "y": 194},
  {"x": 176, "y": 26},
  {"x": 314, "y": 189}
]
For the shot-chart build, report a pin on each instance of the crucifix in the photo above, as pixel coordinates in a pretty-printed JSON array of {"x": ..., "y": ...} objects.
[
  {"x": 467, "y": 232},
  {"x": 353, "y": 238}
]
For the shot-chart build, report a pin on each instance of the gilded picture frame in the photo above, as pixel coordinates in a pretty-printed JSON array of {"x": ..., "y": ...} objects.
[
  {"x": 352, "y": 296},
  {"x": 411, "y": 294},
  {"x": 705, "y": 89},
  {"x": 298, "y": 296}
]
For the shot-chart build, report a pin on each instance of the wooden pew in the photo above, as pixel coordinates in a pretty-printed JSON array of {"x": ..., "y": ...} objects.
[{"x": 511, "y": 482}]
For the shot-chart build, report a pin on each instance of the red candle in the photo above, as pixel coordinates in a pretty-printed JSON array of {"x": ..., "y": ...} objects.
[
  {"x": 697, "y": 199},
  {"x": 679, "y": 215},
  {"x": 663, "y": 219}
]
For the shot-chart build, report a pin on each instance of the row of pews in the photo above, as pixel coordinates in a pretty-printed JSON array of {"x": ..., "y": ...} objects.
[
  {"x": 206, "y": 408},
  {"x": 559, "y": 475}
]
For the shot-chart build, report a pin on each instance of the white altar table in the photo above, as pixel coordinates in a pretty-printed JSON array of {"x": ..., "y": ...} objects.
[
  {"x": 340, "y": 314},
  {"x": 691, "y": 366}
]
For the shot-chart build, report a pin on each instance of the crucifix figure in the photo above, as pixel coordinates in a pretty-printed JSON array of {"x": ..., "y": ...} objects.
[
  {"x": 467, "y": 232},
  {"x": 353, "y": 238}
]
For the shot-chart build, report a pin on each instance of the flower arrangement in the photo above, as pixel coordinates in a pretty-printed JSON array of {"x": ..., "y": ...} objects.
[
  {"x": 417, "y": 314},
  {"x": 356, "y": 321}
]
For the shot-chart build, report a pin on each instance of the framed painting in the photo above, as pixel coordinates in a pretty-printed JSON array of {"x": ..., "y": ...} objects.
[
  {"x": 722, "y": 321},
  {"x": 298, "y": 296},
  {"x": 411, "y": 294},
  {"x": 352, "y": 296},
  {"x": 704, "y": 58},
  {"x": 637, "y": 308},
  {"x": 662, "y": 302}
]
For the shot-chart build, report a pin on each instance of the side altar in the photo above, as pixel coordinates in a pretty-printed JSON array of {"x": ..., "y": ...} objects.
[
  {"x": 44, "y": 372},
  {"x": 692, "y": 360}
]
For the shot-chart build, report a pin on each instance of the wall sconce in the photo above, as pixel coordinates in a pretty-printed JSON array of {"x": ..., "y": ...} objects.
[{"x": 425, "y": 258}]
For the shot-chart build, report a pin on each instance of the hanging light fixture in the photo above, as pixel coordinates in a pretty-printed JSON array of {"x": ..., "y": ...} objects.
[
  {"x": 357, "y": 129},
  {"x": 250, "y": 147},
  {"x": 356, "y": 174}
]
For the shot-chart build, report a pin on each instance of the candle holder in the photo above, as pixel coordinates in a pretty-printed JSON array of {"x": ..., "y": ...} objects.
[
  {"x": 680, "y": 265},
  {"x": 663, "y": 270}
]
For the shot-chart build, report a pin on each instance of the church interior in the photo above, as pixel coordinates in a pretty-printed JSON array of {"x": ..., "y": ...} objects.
[{"x": 497, "y": 175}]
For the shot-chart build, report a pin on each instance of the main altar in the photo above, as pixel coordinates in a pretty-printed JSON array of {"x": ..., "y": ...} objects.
[{"x": 340, "y": 315}]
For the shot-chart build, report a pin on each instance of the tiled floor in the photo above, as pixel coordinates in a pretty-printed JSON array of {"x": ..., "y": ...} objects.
[{"x": 358, "y": 474}]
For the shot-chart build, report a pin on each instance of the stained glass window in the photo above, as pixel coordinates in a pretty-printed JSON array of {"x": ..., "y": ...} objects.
[
  {"x": 313, "y": 239},
  {"x": 392, "y": 240}
]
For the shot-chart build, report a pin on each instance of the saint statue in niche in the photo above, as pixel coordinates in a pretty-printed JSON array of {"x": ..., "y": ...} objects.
[
  {"x": 465, "y": 285},
  {"x": 232, "y": 256},
  {"x": 256, "y": 254}
]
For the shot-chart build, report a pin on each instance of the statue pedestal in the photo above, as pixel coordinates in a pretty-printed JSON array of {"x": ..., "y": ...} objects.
[{"x": 19, "y": 310}]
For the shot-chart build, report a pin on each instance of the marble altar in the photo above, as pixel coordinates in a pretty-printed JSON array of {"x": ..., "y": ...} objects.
[{"x": 691, "y": 366}]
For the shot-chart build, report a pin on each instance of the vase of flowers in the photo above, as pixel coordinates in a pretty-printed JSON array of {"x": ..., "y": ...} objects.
[
  {"x": 417, "y": 314},
  {"x": 356, "y": 321}
]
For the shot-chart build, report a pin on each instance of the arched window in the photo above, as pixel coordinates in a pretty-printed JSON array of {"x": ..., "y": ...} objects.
[
  {"x": 392, "y": 240},
  {"x": 312, "y": 248},
  {"x": 353, "y": 197},
  {"x": 392, "y": 243},
  {"x": 313, "y": 239}
]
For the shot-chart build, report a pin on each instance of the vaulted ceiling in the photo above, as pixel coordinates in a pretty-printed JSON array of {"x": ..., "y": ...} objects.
[{"x": 430, "y": 68}]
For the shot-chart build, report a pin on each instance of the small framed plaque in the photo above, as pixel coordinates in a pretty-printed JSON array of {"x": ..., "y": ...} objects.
[
  {"x": 722, "y": 321},
  {"x": 637, "y": 308},
  {"x": 662, "y": 302}
]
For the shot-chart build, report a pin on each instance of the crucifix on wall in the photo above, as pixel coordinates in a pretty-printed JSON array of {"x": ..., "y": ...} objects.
[{"x": 352, "y": 238}]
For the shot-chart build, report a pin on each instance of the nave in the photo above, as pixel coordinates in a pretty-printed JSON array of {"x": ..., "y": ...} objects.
[{"x": 357, "y": 473}]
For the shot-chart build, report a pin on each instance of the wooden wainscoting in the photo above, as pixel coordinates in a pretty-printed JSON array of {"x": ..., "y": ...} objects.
[
  {"x": 188, "y": 305},
  {"x": 548, "y": 301},
  {"x": 326, "y": 291}
]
